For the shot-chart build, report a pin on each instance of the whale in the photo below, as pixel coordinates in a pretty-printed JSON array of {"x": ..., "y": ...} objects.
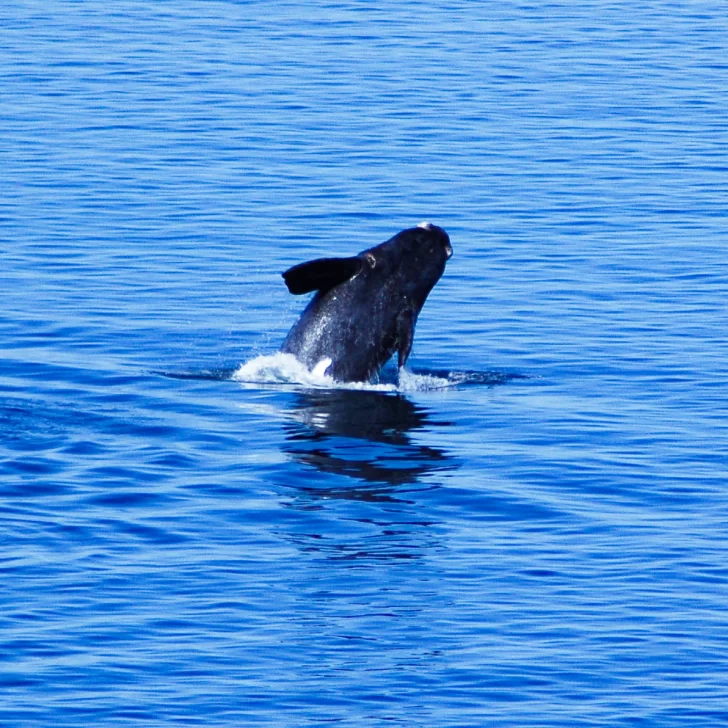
[{"x": 365, "y": 307}]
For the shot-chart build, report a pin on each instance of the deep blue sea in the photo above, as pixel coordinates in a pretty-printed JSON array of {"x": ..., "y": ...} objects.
[{"x": 532, "y": 531}]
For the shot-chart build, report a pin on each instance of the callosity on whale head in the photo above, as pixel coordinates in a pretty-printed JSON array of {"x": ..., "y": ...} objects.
[{"x": 366, "y": 306}]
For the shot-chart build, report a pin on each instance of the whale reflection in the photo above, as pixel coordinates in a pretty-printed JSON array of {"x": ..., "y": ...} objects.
[{"x": 362, "y": 435}]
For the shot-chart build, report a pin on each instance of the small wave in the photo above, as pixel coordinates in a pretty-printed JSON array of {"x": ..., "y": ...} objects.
[
  {"x": 285, "y": 369},
  {"x": 463, "y": 378},
  {"x": 217, "y": 375},
  {"x": 410, "y": 381}
]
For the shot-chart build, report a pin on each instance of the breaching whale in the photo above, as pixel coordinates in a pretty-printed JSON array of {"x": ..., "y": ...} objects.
[{"x": 366, "y": 307}]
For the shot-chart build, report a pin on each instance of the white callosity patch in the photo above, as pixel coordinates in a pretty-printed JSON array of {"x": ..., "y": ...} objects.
[{"x": 429, "y": 226}]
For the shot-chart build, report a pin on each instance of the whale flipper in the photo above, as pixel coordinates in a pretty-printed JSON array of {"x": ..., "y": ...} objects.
[
  {"x": 321, "y": 274},
  {"x": 405, "y": 334}
]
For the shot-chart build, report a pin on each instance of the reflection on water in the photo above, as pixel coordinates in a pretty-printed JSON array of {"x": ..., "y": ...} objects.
[
  {"x": 365, "y": 436},
  {"x": 359, "y": 464}
]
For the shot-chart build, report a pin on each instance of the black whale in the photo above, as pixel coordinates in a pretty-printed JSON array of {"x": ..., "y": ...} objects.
[{"x": 366, "y": 307}]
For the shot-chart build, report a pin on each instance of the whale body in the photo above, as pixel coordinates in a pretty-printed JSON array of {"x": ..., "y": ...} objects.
[{"x": 365, "y": 307}]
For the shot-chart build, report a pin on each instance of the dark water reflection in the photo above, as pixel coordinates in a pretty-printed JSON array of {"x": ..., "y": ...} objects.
[
  {"x": 360, "y": 476},
  {"x": 365, "y": 436}
]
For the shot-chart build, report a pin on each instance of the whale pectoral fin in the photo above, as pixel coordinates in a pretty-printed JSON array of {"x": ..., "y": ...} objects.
[
  {"x": 321, "y": 275},
  {"x": 405, "y": 334}
]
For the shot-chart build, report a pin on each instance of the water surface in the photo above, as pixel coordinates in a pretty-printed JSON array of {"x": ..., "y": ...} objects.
[{"x": 542, "y": 543}]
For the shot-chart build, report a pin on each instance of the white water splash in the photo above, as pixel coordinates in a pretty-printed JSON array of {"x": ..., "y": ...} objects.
[
  {"x": 282, "y": 368},
  {"x": 411, "y": 382}
]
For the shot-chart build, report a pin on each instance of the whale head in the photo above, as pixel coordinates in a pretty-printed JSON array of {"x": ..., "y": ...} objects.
[{"x": 414, "y": 260}]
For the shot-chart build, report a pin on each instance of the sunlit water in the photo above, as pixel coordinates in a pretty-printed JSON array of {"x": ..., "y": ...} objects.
[{"x": 528, "y": 529}]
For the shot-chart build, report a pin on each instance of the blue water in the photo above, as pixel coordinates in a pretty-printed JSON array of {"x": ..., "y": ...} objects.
[{"x": 543, "y": 544}]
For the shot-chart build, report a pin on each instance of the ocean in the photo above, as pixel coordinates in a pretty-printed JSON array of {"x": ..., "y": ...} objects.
[{"x": 530, "y": 529}]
